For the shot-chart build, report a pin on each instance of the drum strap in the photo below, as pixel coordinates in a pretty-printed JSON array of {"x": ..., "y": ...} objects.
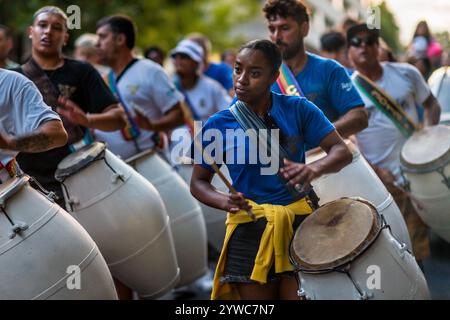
[
  {"x": 385, "y": 103},
  {"x": 131, "y": 130},
  {"x": 50, "y": 94},
  {"x": 287, "y": 83},
  {"x": 251, "y": 123}
]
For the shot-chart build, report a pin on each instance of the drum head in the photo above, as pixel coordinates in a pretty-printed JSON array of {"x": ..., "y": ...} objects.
[
  {"x": 335, "y": 234},
  {"x": 427, "y": 149},
  {"x": 78, "y": 160},
  {"x": 11, "y": 187}
]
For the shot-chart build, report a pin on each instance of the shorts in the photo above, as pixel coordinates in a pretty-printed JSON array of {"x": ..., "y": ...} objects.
[{"x": 242, "y": 250}]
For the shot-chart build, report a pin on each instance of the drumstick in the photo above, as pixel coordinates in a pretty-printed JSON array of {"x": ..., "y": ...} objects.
[{"x": 190, "y": 121}]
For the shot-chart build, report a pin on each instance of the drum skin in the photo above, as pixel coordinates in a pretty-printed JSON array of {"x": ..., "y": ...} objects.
[
  {"x": 34, "y": 264},
  {"x": 359, "y": 180},
  {"x": 214, "y": 218},
  {"x": 126, "y": 217},
  {"x": 186, "y": 218},
  {"x": 427, "y": 185},
  {"x": 400, "y": 276},
  {"x": 378, "y": 267}
]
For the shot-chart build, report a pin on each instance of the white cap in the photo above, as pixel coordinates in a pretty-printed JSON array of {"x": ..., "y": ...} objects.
[{"x": 191, "y": 48}]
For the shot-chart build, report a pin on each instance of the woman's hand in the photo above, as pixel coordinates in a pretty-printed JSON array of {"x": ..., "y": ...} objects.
[
  {"x": 236, "y": 202},
  {"x": 298, "y": 175}
]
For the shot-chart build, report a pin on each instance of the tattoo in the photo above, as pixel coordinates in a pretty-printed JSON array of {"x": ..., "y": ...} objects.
[{"x": 36, "y": 142}]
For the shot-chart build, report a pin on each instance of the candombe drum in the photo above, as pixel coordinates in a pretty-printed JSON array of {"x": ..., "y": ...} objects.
[
  {"x": 425, "y": 162},
  {"x": 359, "y": 180},
  {"x": 44, "y": 252},
  {"x": 345, "y": 250},
  {"x": 125, "y": 216},
  {"x": 214, "y": 218},
  {"x": 187, "y": 222}
]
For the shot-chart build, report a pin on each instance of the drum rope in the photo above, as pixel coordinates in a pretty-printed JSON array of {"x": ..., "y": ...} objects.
[{"x": 7, "y": 216}]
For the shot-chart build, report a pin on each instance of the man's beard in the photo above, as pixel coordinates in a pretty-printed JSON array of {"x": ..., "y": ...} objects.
[{"x": 289, "y": 51}]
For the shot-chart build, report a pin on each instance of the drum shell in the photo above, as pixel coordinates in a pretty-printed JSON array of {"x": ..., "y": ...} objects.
[
  {"x": 34, "y": 264},
  {"x": 186, "y": 218},
  {"x": 214, "y": 218},
  {"x": 125, "y": 215},
  {"x": 359, "y": 180},
  {"x": 434, "y": 198},
  {"x": 400, "y": 276}
]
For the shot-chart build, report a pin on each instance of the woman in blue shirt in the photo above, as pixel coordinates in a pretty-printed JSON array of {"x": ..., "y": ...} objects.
[{"x": 254, "y": 263}]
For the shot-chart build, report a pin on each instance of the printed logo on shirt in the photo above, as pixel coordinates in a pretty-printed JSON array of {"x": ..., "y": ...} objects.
[
  {"x": 171, "y": 92},
  {"x": 133, "y": 88},
  {"x": 347, "y": 86},
  {"x": 66, "y": 90}
]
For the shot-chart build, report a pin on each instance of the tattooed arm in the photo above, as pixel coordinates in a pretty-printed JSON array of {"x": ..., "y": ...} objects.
[{"x": 49, "y": 135}]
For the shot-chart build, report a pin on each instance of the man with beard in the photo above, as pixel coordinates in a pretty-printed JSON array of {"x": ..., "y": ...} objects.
[{"x": 322, "y": 81}]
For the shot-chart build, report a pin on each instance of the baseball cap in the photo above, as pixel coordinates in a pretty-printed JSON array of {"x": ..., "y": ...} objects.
[{"x": 190, "y": 48}]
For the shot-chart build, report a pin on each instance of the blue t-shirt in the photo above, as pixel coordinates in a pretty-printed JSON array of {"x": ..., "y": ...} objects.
[
  {"x": 300, "y": 122},
  {"x": 327, "y": 84},
  {"x": 222, "y": 73}
]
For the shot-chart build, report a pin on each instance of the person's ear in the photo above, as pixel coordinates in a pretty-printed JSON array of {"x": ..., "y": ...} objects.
[
  {"x": 304, "y": 27},
  {"x": 121, "y": 39},
  {"x": 66, "y": 38},
  {"x": 30, "y": 32}
]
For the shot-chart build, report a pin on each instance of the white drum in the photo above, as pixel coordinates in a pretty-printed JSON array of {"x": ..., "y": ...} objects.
[
  {"x": 44, "y": 252},
  {"x": 359, "y": 180},
  {"x": 344, "y": 251},
  {"x": 214, "y": 218},
  {"x": 425, "y": 161},
  {"x": 187, "y": 222},
  {"x": 125, "y": 216}
]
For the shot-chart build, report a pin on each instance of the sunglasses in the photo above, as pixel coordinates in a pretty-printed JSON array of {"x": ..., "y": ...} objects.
[{"x": 358, "y": 41}]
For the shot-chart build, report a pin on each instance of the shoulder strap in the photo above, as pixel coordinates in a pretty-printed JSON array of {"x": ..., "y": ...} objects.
[
  {"x": 131, "y": 130},
  {"x": 385, "y": 104},
  {"x": 251, "y": 123},
  {"x": 287, "y": 82},
  {"x": 50, "y": 94}
]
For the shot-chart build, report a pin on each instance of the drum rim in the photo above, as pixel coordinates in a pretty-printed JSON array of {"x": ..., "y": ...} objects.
[
  {"x": 428, "y": 167},
  {"x": 375, "y": 231},
  {"x": 139, "y": 155},
  {"x": 15, "y": 184},
  {"x": 63, "y": 174},
  {"x": 349, "y": 143}
]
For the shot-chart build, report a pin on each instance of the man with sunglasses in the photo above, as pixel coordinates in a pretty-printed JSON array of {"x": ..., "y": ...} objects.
[
  {"x": 322, "y": 81},
  {"x": 382, "y": 141}
]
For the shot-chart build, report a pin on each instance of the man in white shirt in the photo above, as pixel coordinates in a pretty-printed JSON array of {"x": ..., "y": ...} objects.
[
  {"x": 381, "y": 142},
  {"x": 26, "y": 122},
  {"x": 141, "y": 85}
]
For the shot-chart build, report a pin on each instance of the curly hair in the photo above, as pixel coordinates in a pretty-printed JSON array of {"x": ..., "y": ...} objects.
[{"x": 287, "y": 8}]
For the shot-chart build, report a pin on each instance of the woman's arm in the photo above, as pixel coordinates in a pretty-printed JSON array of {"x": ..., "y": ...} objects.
[{"x": 204, "y": 191}]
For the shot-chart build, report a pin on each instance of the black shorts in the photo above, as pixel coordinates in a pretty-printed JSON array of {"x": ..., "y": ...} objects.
[{"x": 242, "y": 250}]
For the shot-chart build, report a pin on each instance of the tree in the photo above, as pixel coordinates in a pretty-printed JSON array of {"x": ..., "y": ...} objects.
[
  {"x": 389, "y": 28},
  {"x": 159, "y": 22}
]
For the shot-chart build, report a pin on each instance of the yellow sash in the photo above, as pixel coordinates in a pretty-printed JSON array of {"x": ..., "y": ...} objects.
[{"x": 273, "y": 248}]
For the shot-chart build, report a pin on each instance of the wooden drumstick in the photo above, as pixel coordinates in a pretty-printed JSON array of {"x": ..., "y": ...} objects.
[{"x": 190, "y": 121}]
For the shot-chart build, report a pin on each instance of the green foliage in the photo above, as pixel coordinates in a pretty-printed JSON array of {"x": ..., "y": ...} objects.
[
  {"x": 161, "y": 22},
  {"x": 389, "y": 28}
]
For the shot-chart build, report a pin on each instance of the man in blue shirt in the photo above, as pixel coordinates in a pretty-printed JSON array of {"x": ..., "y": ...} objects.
[{"x": 323, "y": 81}]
